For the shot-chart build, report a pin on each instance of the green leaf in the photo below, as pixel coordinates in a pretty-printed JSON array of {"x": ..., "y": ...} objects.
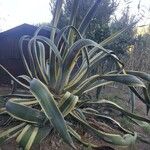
[
  {"x": 42, "y": 58},
  {"x": 18, "y": 96},
  {"x": 115, "y": 35},
  {"x": 145, "y": 126},
  {"x": 2, "y": 102},
  {"x": 50, "y": 44},
  {"x": 67, "y": 103},
  {"x": 109, "y": 120},
  {"x": 142, "y": 75},
  {"x": 78, "y": 138},
  {"x": 73, "y": 12},
  {"x": 21, "y": 43},
  {"x": 56, "y": 16},
  {"x": 24, "y": 113},
  {"x": 132, "y": 99},
  {"x": 31, "y": 135},
  {"x": 43, "y": 132},
  {"x": 80, "y": 76},
  {"x": 13, "y": 78},
  {"x": 24, "y": 77},
  {"x": 88, "y": 17},
  {"x": 12, "y": 132},
  {"x": 71, "y": 58},
  {"x": 24, "y": 138},
  {"x": 115, "y": 139},
  {"x": 129, "y": 80},
  {"x": 33, "y": 47},
  {"x": 106, "y": 103},
  {"x": 48, "y": 104}
]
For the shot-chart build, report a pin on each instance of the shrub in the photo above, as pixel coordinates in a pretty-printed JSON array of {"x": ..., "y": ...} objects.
[{"x": 55, "y": 86}]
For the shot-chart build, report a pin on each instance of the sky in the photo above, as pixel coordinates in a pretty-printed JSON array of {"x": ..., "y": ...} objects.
[{"x": 16, "y": 12}]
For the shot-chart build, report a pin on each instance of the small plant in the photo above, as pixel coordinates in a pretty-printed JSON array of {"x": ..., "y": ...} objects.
[{"x": 55, "y": 86}]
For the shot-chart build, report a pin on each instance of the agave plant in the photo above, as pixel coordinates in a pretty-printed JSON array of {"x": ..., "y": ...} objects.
[{"x": 55, "y": 84}]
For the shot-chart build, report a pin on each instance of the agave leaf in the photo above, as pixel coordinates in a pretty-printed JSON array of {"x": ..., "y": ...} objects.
[
  {"x": 18, "y": 96},
  {"x": 33, "y": 48},
  {"x": 142, "y": 75},
  {"x": 88, "y": 88},
  {"x": 42, "y": 133},
  {"x": 78, "y": 138},
  {"x": 80, "y": 114},
  {"x": 146, "y": 101},
  {"x": 46, "y": 28},
  {"x": 72, "y": 20},
  {"x": 67, "y": 103},
  {"x": 5, "y": 135},
  {"x": 52, "y": 65},
  {"x": 81, "y": 73},
  {"x": 32, "y": 138},
  {"x": 144, "y": 125},
  {"x": 115, "y": 139},
  {"x": 129, "y": 80},
  {"x": 88, "y": 17},
  {"x": 56, "y": 16},
  {"x": 89, "y": 109},
  {"x": 42, "y": 56},
  {"x": 21, "y": 42},
  {"x": 144, "y": 140},
  {"x": 146, "y": 98},
  {"x": 50, "y": 44},
  {"x": 71, "y": 58},
  {"x": 109, "y": 120},
  {"x": 106, "y": 103},
  {"x": 2, "y": 110},
  {"x": 132, "y": 99},
  {"x": 31, "y": 59},
  {"x": 22, "y": 101},
  {"x": 146, "y": 77},
  {"x": 48, "y": 104},
  {"x": 2, "y": 101},
  {"x": 115, "y": 35},
  {"x": 13, "y": 78},
  {"x": 52, "y": 59},
  {"x": 61, "y": 36},
  {"x": 2, "y": 105},
  {"x": 27, "y": 136},
  {"x": 73, "y": 12},
  {"x": 32, "y": 135},
  {"x": 25, "y": 77},
  {"x": 24, "y": 113}
]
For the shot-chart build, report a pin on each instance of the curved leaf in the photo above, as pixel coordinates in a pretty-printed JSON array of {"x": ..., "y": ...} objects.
[
  {"x": 88, "y": 17},
  {"x": 116, "y": 139},
  {"x": 24, "y": 113},
  {"x": 48, "y": 104},
  {"x": 5, "y": 135},
  {"x": 67, "y": 103},
  {"x": 142, "y": 75},
  {"x": 13, "y": 78},
  {"x": 106, "y": 103}
]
